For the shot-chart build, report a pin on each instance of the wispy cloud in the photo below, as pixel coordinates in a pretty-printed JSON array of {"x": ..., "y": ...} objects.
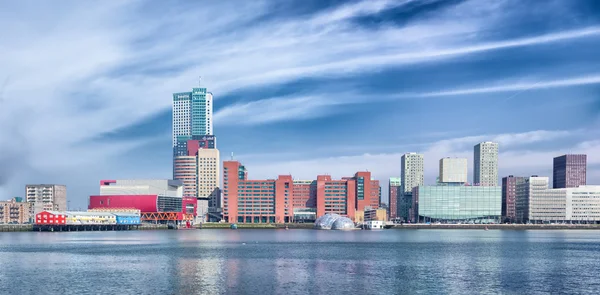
[
  {"x": 515, "y": 157},
  {"x": 576, "y": 81},
  {"x": 93, "y": 71}
]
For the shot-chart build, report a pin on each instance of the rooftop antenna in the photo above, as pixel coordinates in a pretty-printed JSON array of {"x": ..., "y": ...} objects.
[
  {"x": 231, "y": 156},
  {"x": 200, "y": 81}
]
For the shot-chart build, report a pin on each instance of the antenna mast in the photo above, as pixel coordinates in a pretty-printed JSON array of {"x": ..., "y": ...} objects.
[
  {"x": 200, "y": 81},
  {"x": 231, "y": 156}
]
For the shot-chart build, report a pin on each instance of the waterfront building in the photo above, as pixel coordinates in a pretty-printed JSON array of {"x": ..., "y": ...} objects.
[
  {"x": 526, "y": 191},
  {"x": 208, "y": 175},
  {"x": 44, "y": 197},
  {"x": 14, "y": 211},
  {"x": 192, "y": 114},
  {"x": 375, "y": 215},
  {"x": 48, "y": 217},
  {"x": 485, "y": 164},
  {"x": 457, "y": 203},
  {"x": 453, "y": 170},
  {"x": 509, "y": 196},
  {"x": 159, "y": 200},
  {"x": 185, "y": 169},
  {"x": 537, "y": 203},
  {"x": 394, "y": 189},
  {"x": 285, "y": 200},
  {"x": 569, "y": 171},
  {"x": 197, "y": 164},
  {"x": 412, "y": 175}
]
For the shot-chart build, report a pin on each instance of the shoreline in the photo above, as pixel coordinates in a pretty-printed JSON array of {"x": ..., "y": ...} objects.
[
  {"x": 29, "y": 227},
  {"x": 499, "y": 226}
]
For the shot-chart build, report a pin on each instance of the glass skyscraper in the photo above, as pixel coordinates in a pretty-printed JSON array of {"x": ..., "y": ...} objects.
[{"x": 192, "y": 114}]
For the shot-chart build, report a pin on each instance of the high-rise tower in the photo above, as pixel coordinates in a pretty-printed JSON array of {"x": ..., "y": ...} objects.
[
  {"x": 192, "y": 115},
  {"x": 485, "y": 164},
  {"x": 412, "y": 175},
  {"x": 569, "y": 171}
]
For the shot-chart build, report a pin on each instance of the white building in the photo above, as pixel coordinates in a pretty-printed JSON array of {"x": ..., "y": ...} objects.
[
  {"x": 163, "y": 187},
  {"x": 537, "y": 203},
  {"x": 412, "y": 171},
  {"x": 528, "y": 191},
  {"x": 208, "y": 166},
  {"x": 46, "y": 197},
  {"x": 485, "y": 164},
  {"x": 411, "y": 175},
  {"x": 453, "y": 170}
]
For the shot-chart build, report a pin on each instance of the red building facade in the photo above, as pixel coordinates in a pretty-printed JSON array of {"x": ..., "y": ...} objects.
[
  {"x": 50, "y": 218},
  {"x": 152, "y": 207},
  {"x": 276, "y": 200}
]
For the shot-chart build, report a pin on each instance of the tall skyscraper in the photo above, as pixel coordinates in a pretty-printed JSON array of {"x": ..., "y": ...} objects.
[
  {"x": 485, "y": 164},
  {"x": 192, "y": 114},
  {"x": 412, "y": 175},
  {"x": 509, "y": 196},
  {"x": 453, "y": 170},
  {"x": 569, "y": 171},
  {"x": 394, "y": 190},
  {"x": 195, "y": 157}
]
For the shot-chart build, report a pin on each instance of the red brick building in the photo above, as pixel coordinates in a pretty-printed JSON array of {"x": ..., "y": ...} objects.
[
  {"x": 394, "y": 190},
  {"x": 287, "y": 200}
]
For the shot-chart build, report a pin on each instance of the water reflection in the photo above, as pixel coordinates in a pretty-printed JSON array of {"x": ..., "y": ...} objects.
[{"x": 301, "y": 262}]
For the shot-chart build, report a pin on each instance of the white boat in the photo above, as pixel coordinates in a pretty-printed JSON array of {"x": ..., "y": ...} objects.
[{"x": 374, "y": 225}]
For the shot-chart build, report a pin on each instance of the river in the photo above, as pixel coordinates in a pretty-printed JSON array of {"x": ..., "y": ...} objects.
[{"x": 301, "y": 262}]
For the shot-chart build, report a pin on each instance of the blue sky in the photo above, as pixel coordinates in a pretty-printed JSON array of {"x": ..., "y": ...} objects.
[{"x": 301, "y": 87}]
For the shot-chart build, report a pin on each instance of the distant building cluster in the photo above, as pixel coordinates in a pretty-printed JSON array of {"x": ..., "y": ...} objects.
[
  {"x": 517, "y": 199},
  {"x": 205, "y": 188}
]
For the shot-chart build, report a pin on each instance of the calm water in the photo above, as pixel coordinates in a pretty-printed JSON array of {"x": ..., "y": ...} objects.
[{"x": 301, "y": 262}]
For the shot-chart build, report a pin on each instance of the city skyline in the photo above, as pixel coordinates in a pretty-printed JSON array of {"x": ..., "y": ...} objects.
[{"x": 284, "y": 101}]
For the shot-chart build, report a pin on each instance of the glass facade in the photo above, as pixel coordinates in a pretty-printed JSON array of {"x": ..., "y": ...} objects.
[{"x": 475, "y": 204}]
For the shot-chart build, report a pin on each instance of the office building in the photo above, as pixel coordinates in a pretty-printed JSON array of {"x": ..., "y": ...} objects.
[
  {"x": 527, "y": 193},
  {"x": 14, "y": 211},
  {"x": 192, "y": 114},
  {"x": 287, "y": 200},
  {"x": 509, "y": 196},
  {"x": 453, "y": 170},
  {"x": 485, "y": 164},
  {"x": 44, "y": 197},
  {"x": 558, "y": 205},
  {"x": 208, "y": 174},
  {"x": 185, "y": 169},
  {"x": 457, "y": 203},
  {"x": 569, "y": 171},
  {"x": 394, "y": 190},
  {"x": 412, "y": 175}
]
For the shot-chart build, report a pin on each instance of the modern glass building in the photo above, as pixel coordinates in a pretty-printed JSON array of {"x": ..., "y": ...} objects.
[{"x": 457, "y": 203}]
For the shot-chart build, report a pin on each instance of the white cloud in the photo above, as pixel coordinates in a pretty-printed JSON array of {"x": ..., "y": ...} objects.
[
  {"x": 576, "y": 81},
  {"x": 76, "y": 72},
  {"x": 514, "y": 158}
]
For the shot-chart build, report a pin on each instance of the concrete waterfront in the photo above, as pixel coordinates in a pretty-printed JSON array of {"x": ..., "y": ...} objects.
[{"x": 498, "y": 226}]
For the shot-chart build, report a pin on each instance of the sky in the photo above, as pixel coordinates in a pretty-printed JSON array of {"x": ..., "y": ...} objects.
[{"x": 301, "y": 87}]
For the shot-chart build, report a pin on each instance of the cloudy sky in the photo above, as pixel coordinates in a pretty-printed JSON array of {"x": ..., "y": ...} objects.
[{"x": 301, "y": 87}]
